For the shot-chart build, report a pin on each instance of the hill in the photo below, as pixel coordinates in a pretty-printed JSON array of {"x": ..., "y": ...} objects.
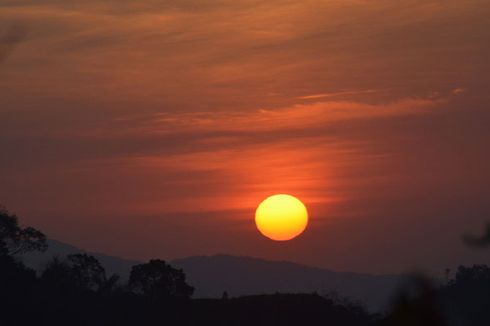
[
  {"x": 239, "y": 276},
  {"x": 112, "y": 264}
]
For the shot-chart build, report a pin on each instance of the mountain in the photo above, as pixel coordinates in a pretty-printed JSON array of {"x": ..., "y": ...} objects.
[
  {"x": 239, "y": 276},
  {"x": 112, "y": 264}
]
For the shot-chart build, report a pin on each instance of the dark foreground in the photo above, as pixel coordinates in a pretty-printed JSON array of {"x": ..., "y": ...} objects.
[
  {"x": 75, "y": 290},
  {"x": 281, "y": 309}
]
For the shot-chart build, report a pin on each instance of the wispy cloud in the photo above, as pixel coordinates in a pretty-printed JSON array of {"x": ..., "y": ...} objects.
[
  {"x": 361, "y": 108},
  {"x": 337, "y": 94}
]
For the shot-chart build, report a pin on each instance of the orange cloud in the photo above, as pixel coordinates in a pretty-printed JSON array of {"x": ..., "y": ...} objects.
[{"x": 119, "y": 108}]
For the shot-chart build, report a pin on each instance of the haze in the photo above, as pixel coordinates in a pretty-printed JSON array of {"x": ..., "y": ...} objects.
[{"x": 154, "y": 129}]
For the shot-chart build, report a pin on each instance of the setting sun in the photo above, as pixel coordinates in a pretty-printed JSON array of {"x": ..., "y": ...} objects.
[{"x": 281, "y": 217}]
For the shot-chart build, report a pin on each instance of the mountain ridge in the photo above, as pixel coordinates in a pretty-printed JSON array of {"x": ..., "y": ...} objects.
[
  {"x": 212, "y": 275},
  {"x": 241, "y": 275}
]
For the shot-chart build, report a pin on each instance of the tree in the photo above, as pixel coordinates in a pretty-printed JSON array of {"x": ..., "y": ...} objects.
[
  {"x": 16, "y": 280},
  {"x": 87, "y": 271},
  {"x": 79, "y": 271},
  {"x": 15, "y": 240},
  {"x": 465, "y": 297},
  {"x": 416, "y": 304},
  {"x": 478, "y": 241},
  {"x": 157, "y": 280},
  {"x": 477, "y": 275}
]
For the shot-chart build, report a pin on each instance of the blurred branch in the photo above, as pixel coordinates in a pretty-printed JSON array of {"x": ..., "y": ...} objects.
[{"x": 478, "y": 242}]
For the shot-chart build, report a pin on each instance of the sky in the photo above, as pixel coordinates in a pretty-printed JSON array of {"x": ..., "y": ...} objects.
[{"x": 153, "y": 129}]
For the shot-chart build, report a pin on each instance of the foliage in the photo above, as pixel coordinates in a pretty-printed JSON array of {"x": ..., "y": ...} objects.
[
  {"x": 466, "y": 297},
  {"x": 157, "y": 280},
  {"x": 477, "y": 275},
  {"x": 78, "y": 271},
  {"x": 75, "y": 290},
  {"x": 15, "y": 240},
  {"x": 416, "y": 304},
  {"x": 464, "y": 301}
]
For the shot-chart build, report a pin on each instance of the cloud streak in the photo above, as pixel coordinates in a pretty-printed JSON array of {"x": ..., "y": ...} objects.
[{"x": 162, "y": 110}]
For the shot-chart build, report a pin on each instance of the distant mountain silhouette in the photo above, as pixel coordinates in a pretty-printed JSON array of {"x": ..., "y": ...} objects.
[
  {"x": 120, "y": 266},
  {"x": 238, "y": 276},
  {"x": 213, "y": 275}
]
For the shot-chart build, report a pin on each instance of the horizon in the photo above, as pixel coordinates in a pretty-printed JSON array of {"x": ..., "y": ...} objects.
[
  {"x": 129, "y": 259},
  {"x": 435, "y": 276}
]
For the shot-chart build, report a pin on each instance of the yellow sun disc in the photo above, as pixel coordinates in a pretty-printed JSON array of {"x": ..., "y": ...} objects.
[{"x": 281, "y": 217}]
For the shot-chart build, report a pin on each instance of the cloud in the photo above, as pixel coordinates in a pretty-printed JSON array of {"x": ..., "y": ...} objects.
[
  {"x": 118, "y": 108},
  {"x": 9, "y": 40},
  {"x": 458, "y": 91},
  {"x": 240, "y": 55},
  {"x": 338, "y": 94}
]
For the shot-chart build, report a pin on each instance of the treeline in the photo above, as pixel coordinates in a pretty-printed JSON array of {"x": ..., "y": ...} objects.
[{"x": 75, "y": 290}]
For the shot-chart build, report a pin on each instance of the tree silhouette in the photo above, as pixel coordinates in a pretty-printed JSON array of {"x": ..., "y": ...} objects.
[
  {"x": 478, "y": 275},
  {"x": 57, "y": 274},
  {"x": 80, "y": 271},
  {"x": 478, "y": 241},
  {"x": 87, "y": 271},
  {"x": 75, "y": 290},
  {"x": 416, "y": 304},
  {"x": 15, "y": 240},
  {"x": 466, "y": 296},
  {"x": 17, "y": 282},
  {"x": 157, "y": 280}
]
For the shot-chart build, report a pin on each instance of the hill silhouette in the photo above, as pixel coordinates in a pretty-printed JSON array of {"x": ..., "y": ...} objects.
[
  {"x": 112, "y": 264},
  {"x": 240, "y": 276},
  {"x": 78, "y": 289}
]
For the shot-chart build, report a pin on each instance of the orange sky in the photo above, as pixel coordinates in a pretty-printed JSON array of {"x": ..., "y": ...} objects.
[{"x": 154, "y": 129}]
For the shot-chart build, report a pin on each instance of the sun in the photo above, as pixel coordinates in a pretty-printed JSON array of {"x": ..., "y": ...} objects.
[{"x": 281, "y": 217}]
